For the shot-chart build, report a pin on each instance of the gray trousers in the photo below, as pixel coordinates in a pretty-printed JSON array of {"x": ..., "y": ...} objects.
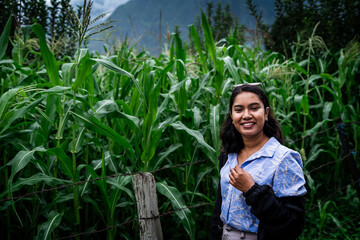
[{"x": 231, "y": 234}]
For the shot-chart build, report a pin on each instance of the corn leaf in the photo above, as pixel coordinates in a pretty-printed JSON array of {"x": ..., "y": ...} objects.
[
  {"x": 215, "y": 126},
  {"x": 48, "y": 227},
  {"x": 4, "y": 38},
  {"x": 52, "y": 66},
  {"x": 111, "y": 66},
  {"x": 230, "y": 65},
  {"x": 84, "y": 72},
  {"x": 196, "y": 134},
  {"x": 96, "y": 125},
  {"x": 65, "y": 162},
  {"x": 209, "y": 39},
  {"x": 18, "y": 163},
  {"x": 178, "y": 203},
  {"x": 197, "y": 43},
  {"x": 5, "y": 101},
  {"x": 163, "y": 155}
]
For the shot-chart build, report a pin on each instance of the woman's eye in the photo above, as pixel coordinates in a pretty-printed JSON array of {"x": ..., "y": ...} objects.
[{"x": 254, "y": 108}]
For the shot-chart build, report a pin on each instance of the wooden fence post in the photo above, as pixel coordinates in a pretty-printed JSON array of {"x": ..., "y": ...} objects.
[
  {"x": 350, "y": 159},
  {"x": 147, "y": 204}
]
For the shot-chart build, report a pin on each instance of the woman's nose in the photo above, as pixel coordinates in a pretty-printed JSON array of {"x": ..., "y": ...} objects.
[{"x": 246, "y": 114}]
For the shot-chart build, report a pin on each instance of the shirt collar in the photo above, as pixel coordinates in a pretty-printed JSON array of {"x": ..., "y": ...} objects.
[{"x": 267, "y": 150}]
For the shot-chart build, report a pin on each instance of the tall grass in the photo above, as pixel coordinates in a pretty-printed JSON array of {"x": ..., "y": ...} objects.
[{"x": 93, "y": 115}]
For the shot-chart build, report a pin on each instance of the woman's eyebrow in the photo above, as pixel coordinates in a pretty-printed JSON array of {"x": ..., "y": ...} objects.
[
  {"x": 251, "y": 104},
  {"x": 255, "y": 103}
]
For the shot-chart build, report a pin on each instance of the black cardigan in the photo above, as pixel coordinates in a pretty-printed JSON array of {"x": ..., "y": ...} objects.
[{"x": 280, "y": 218}]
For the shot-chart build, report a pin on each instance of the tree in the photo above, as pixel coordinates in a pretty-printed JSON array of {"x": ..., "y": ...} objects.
[
  {"x": 53, "y": 18},
  {"x": 209, "y": 11},
  {"x": 64, "y": 20},
  {"x": 7, "y": 7},
  {"x": 218, "y": 23},
  {"x": 42, "y": 13},
  {"x": 198, "y": 27},
  {"x": 222, "y": 22},
  {"x": 260, "y": 34},
  {"x": 35, "y": 11},
  {"x": 338, "y": 22},
  {"x": 228, "y": 21}
]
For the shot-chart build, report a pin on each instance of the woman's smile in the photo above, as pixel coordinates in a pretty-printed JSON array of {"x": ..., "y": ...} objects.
[{"x": 247, "y": 124}]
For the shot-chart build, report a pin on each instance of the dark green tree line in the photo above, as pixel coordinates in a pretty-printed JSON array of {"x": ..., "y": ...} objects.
[
  {"x": 24, "y": 12},
  {"x": 338, "y": 22},
  {"x": 222, "y": 24},
  {"x": 222, "y": 21},
  {"x": 35, "y": 11},
  {"x": 54, "y": 19}
]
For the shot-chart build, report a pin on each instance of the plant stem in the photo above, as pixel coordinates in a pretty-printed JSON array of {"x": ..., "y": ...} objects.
[
  {"x": 6, "y": 183},
  {"x": 76, "y": 195},
  {"x": 306, "y": 94},
  {"x": 87, "y": 163},
  {"x": 186, "y": 178}
]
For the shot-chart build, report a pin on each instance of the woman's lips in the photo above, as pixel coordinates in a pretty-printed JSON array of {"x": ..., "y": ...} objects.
[{"x": 248, "y": 124}]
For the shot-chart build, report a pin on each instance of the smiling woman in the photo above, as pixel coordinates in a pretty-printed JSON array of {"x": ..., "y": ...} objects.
[{"x": 261, "y": 186}]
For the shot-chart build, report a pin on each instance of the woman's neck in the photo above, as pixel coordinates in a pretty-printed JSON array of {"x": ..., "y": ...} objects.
[
  {"x": 251, "y": 146},
  {"x": 255, "y": 143}
]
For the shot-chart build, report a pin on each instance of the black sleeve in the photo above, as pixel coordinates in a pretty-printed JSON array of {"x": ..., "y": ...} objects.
[
  {"x": 280, "y": 218},
  {"x": 216, "y": 223}
]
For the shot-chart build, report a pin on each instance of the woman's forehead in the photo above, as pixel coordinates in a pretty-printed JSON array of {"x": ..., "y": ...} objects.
[{"x": 247, "y": 98}]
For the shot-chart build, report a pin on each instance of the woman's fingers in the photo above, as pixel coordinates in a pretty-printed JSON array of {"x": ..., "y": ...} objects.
[
  {"x": 240, "y": 179},
  {"x": 233, "y": 172},
  {"x": 236, "y": 171}
]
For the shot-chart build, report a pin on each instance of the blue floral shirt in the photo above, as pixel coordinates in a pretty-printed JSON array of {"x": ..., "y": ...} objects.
[{"x": 274, "y": 165}]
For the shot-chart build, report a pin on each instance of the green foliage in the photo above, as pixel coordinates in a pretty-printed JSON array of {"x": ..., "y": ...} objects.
[
  {"x": 178, "y": 204},
  {"x": 261, "y": 30},
  {"x": 89, "y": 116},
  {"x": 52, "y": 66},
  {"x": 296, "y": 19},
  {"x": 220, "y": 25},
  {"x": 222, "y": 22},
  {"x": 4, "y": 38},
  {"x": 34, "y": 11},
  {"x": 82, "y": 26}
]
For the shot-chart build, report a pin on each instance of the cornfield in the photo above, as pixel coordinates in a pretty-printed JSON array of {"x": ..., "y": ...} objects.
[{"x": 64, "y": 123}]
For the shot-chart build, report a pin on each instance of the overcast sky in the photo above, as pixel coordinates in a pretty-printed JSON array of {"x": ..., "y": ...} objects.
[{"x": 99, "y": 6}]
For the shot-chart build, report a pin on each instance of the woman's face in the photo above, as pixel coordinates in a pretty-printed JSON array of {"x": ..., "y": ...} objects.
[{"x": 248, "y": 114}]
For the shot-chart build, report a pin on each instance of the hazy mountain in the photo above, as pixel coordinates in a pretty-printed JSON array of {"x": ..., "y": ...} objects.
[{"x": 139, "y": 20}]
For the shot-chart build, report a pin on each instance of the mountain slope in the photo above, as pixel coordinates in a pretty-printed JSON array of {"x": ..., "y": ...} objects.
[{"x": 140, "y": 19}]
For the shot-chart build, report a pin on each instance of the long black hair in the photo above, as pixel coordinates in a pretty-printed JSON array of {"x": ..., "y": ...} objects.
[{"x": 231, "y": 139}]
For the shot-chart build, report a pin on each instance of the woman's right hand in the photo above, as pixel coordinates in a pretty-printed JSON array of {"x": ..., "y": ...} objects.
[{"x": 241, "y": 179}]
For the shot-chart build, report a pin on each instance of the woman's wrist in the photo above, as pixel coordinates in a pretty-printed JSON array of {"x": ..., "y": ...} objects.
[{"x": 249, "y": 188}]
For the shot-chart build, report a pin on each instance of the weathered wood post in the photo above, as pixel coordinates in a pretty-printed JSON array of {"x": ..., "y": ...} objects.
[{"x": 147, "y": 204}]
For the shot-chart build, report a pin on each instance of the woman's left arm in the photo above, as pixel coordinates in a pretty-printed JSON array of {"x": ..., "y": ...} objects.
[{"x": 279, "y": 216}]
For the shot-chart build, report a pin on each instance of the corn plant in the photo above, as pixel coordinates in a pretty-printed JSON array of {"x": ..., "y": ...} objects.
[{"x": 88, "y": 116}]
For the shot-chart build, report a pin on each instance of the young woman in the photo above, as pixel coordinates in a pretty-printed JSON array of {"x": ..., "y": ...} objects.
[{"x": 261, "y": 187}]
